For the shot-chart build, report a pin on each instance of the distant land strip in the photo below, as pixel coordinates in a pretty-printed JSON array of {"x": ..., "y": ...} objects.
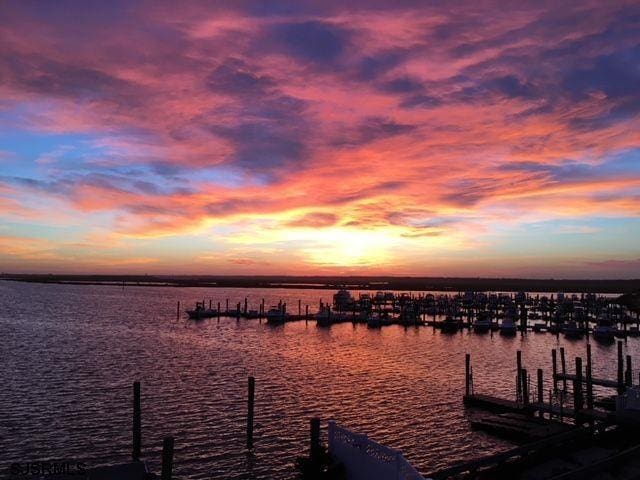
[{"x": 333, "y": 282}]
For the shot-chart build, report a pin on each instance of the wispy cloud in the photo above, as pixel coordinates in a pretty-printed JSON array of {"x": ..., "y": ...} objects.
[{"x": 414, "y": 122}]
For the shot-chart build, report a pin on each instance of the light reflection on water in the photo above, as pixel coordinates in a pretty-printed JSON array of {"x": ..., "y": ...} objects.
[{"x": 70, "y": 355}]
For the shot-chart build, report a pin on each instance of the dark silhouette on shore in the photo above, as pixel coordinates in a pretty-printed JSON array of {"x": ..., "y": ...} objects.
[{"x": 353, "y": 282}]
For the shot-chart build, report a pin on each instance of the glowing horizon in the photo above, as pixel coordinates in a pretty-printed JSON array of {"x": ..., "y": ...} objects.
[{"x": 310, "y": 138}]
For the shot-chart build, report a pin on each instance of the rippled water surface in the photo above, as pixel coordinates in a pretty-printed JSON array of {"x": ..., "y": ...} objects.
[{"x": 70, "y": 354}]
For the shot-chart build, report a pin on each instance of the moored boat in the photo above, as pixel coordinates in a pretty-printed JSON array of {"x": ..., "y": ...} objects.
[
  {"x": 508, "y": 327},
  {"x": 326, "y": 316},
  {"x": 276, "y": 314},
  {"x": 539, "y": 326},
  {"x": 343, "y": 301},
  {"x": 572, "y": 330},
  {"x": 201, "y": 312},
  {"x": 605, "y": 330},
  {"x": 449, "y": 325},
  {"x": 378, "y": 319},
  {"x": 482, "y": 324}
]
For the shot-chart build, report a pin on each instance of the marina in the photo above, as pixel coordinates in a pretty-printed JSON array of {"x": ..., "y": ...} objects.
[
  {"x": 370, "y": 379},
  {"x": 574, "y": 316},
  {"x": 248, "y": 240}
]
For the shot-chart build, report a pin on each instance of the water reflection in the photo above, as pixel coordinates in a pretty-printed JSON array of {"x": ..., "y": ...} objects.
[{"x": 72, "y": 352}]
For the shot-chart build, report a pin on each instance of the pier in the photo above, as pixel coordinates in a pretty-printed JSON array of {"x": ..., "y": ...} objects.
[
  {"x": 575, "y": 316},
  {"x": 562, "y": 434}
]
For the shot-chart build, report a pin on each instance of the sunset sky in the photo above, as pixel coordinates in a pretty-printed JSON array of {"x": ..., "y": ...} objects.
[{"x": 421, "y": 138}]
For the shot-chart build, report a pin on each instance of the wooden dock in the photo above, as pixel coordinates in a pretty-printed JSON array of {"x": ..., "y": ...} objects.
[
  {"x": 491, "y": 403},
  {"x": 519, "y": 427},
  {"x": 603, "y": 382},
  {"x": 529, "y": 312},
  {"x": 513, "y": 454}
]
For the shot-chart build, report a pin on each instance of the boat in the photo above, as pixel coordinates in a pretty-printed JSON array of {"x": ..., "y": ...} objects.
[
  {"x": 374, "y": 320},
  {"x": 343, "y": 301},
  {"x": 449, "y": 325},
  {"x": 277, "y": 314},
  {"x": 539, "y": 326},
  {"x": 409, "y": 315},
  {"x": 483, "y": 323},
  {"x": 572, "y": 330},
  {"x": 201, "y": 312},
  {"x": 554, "y": 327},
  {"x": 508, "y": 327},
  {"x": 378, "y": 319},
  {"x": 605, "y": 330},
  {"x": 326, "y": 316}
]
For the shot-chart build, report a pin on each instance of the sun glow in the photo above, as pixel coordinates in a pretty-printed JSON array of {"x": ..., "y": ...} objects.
[{"x": 337, "y": 247}]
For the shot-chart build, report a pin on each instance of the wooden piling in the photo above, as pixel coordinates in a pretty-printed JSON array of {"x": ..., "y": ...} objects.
[
  {"x": 137, "y": 423},
  {"x": 306, "y": 312},
  {"x": 250, "y": 404},
  {"x": 227, "y": 306},
  {"x": 589, "y": 379},
  {"x": 540, "y": 394},
  {"x": 218, "y": 311},
  {"x": 467, "y": 370},
  {"x": 210, "y": 303},
  {"x": 578, "y": 401},
  {"x": 299, "y": 307},
  {"x": 628, "y": 373},
  {"x": 238, "y": 311},
  {"x": 620, "y": 369},
  {"x": 167, "y": 458},
  {"x": 519, "y": 387},
  {"x": 314, "y": 431},
  {"x": 178, "y": 311},
  {"x": 554, "y": 362},
  {"x": 525, "y": 387},
  {"x": 586, "y": 326},
  {"x": 563, "y": 365}
]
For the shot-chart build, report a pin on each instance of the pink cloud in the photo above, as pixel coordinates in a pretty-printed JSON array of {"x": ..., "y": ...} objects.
[{"x": 326, "y": 116}]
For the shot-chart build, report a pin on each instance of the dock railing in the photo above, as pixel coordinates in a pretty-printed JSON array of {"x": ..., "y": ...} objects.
[{"x": 365, "y": 459}]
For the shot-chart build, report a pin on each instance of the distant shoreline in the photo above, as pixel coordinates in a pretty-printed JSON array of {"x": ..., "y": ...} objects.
[{"x": 333, "y": 282}]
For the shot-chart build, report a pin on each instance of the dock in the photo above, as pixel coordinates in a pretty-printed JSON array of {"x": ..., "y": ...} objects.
[
  {"x": 513, "y": 454},
  {"x": 574, "y": 316},
  {"x": 568, "y": 436}
]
